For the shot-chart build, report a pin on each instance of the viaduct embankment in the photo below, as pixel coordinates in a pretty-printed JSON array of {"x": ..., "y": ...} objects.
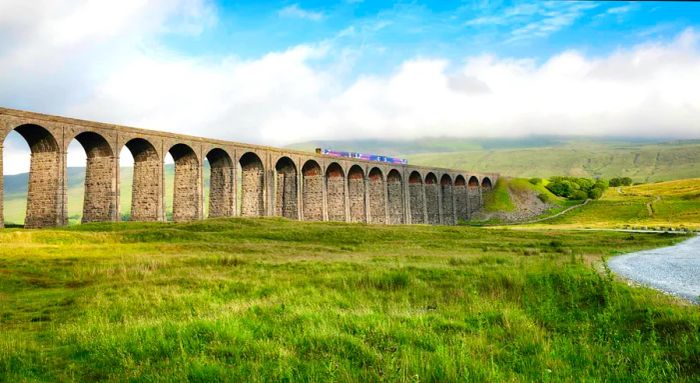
[{"x": 245, "y": 180}]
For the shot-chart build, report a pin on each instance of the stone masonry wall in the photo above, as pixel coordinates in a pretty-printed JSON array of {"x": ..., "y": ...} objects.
[
  {"x": 356, "y": 193},
  {"x": 313, "y": 197},
  {"x": 447, "y": 206},
  {"x": 395, "y": 201},
  {"x": 100, "y": 190},
  {"x": 432, "y": 202},
  {"x": 43, "y": 195},
  {"x": 336, "y": 198},
  {"x": 377, "y": 200},
  {"x": 145, "y": 189},
  {"x": 185, "y": 193},
  {"x": 417, "y": 202},
  {"x": 286, "y": 195},
  {"x": 221, "y": 191},
  {"x": 474, "y": 199},
  {"x": 252, "y": 181},
  {"x": 461, "y": 201}
]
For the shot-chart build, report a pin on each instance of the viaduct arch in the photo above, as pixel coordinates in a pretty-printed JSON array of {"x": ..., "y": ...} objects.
[{"x": 244, "y": 180}]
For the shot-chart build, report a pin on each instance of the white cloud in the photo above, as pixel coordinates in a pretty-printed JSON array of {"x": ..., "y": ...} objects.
[
  {"x": 118, "y": 72},
  {"x": 295, "y": 11}
]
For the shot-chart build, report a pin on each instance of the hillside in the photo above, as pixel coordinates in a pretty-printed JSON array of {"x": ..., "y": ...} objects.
[
  {"x": 642, "y": 160},
  {"x": 673, "y": 204}
]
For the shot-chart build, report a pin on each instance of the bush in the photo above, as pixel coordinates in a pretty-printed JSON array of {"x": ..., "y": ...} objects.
[
  {"x": 575, "y": 188},
  {"x": 579, "y": 195},
  {"x": 535, "y": 181}
]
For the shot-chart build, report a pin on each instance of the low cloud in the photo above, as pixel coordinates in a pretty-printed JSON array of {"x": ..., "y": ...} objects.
[{"x": 120, "y": 73}]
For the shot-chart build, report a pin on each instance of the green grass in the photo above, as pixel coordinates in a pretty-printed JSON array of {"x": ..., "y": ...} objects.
[
  {"x": 499, "y": 199},
  {"x": 673, "y": 204},
  {"x": 275, "y": 300}
]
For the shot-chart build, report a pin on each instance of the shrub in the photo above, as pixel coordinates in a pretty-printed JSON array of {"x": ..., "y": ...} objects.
[
  {"x": 535, "y": 181},
  {"x": 576, "y": 188},
  {"x": 579, "y": 195}
]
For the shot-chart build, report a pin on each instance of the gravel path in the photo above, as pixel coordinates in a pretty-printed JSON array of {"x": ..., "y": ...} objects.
[{"x": 674, "y": 269}]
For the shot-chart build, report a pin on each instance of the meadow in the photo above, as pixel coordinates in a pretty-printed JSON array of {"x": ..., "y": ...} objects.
[
  {"x": 672, "y": 204},
  {"x": 275, "y": 300}
]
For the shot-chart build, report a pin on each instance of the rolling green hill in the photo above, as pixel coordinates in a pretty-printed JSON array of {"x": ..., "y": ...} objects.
[{"x": 642, "y": 160}]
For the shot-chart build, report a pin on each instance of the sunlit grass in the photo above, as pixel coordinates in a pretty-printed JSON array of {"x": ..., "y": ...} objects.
[{"x": 271, "y": 300}]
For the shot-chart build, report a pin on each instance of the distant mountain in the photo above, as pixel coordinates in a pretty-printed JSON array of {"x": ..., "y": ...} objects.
[{"x": 645, "y": 160}]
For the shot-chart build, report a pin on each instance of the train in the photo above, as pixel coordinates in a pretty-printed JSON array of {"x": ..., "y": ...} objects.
[{"x": 362, "y": 156}]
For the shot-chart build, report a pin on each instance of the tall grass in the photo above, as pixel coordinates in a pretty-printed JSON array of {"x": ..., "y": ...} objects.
[{"x": 275, "y": 300}]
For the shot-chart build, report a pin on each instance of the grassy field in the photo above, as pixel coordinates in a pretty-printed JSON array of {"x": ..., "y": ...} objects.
[
  {"x": 275, "y": 300},
  {"x": 665, "y": 204}
]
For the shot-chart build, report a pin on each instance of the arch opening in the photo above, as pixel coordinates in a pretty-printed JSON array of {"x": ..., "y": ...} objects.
[
  {"x": 447, "y": 200},
  {"x": 377, "y": 196},
  {"x": 35, "y": 199},
  {"x": 146, "y": 180},
  {"x": 395, "y": 197},
  {"x": 252, "y": 186},
  {"x": 356, "y": 194},
  {"x": 286, "y": 189},
  {"x": 416, "y": 198},
  {"x": 432, "y": 199},
  {"x": 335, "y": 192},
  {"x": 486, "y": 184},
  {"x": 312, "y": 191}
]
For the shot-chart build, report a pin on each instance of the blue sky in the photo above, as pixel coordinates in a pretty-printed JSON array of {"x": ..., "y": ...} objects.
[
  {"x": 282, "y": 72},
  {"x": 383, "y": 34}
]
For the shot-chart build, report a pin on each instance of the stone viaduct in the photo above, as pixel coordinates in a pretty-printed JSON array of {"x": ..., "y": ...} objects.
[{"x": 245, "y": 180}]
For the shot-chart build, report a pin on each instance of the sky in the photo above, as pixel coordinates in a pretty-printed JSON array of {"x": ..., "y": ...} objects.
[{"x": 280, "y": 72}]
